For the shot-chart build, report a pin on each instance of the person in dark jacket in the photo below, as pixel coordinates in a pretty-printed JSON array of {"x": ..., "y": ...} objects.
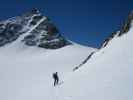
[{"x": 56, "y": 78}]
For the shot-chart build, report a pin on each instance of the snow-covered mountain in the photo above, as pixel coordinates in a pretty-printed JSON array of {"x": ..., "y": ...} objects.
[
  {"x": 32, "y": 29},
  {"x": 32, "y": 48},
  {"x": 108, "y": 74}
]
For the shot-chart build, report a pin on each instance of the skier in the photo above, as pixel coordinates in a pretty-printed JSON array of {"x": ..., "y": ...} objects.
[{"x": 56, "y": 78}]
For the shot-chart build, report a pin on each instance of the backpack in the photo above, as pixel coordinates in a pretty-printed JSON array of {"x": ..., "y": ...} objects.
[{"x": 54, "y": 75}]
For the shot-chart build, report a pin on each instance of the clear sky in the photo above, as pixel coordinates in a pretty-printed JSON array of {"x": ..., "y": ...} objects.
[{"x": 87, "y": 22}]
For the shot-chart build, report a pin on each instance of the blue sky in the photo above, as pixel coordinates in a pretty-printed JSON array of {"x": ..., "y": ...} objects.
[{"x": 87, "y": 22}]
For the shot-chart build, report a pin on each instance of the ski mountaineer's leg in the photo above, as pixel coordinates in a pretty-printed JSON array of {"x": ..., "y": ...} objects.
[
  {"x": 57, "y": 81},
  {"x": 54, "y": 82}
]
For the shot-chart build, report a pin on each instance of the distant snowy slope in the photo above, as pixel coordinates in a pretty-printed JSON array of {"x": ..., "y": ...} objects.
[{"x": 108, "y": 75}]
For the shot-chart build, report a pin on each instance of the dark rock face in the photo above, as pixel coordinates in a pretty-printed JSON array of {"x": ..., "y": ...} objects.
[
  {"x": 125, "y": 28},
  {"x": 127, "y": 24},
  {"x": 84, "y": 62},
  {"x": 9, "y": 32},
  {"x": 44, "y": 35},
  {"x": 12, "y": 28},
  {"x": 107, "y": 40}
]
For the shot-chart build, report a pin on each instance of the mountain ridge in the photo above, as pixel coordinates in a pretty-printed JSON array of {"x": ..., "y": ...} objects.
[{"x": 124, "y": 29}]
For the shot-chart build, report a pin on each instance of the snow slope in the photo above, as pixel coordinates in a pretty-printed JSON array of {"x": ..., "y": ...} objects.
[
  {"x": 108, "y": 75},
  {"x": 26, "y": 73}
]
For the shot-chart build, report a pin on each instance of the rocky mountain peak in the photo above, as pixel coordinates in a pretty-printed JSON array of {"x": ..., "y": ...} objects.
[
  {"x": 131, "y": 15},
  {"x": 127, "y": 24},
  {"x": 35, "y": 11},
  {"x": 34, "y": 29}
]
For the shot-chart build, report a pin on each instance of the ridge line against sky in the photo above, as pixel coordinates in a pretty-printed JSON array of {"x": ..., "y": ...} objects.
[{"x": 87, "y": 22}]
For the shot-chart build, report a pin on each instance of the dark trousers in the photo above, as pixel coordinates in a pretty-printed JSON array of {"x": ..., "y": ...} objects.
[{"x": 56, "y": 82}]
